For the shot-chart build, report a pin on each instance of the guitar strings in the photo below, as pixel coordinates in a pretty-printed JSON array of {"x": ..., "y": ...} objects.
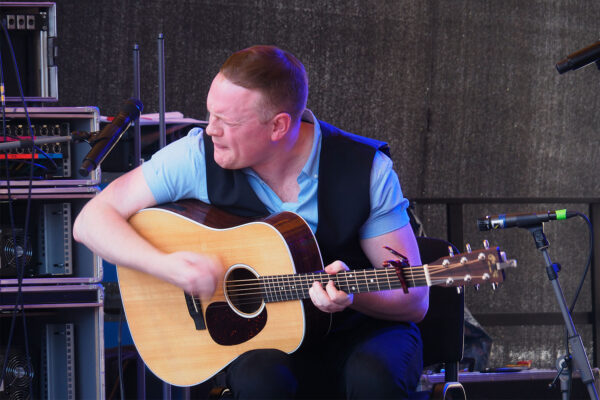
[
  {"x": 297, "y": 293},
  {"x": 358, "y": 273},
  {"x": 308, "y": 280},
  {"x": 358, "y": 278},
  {"x": 259, "y": 296},
  {"x": 277, "y": 288},
  {"x": 364, "y": 272},
  {"x": 260, "y": 287},
  {"x": 284, "y": 282}
]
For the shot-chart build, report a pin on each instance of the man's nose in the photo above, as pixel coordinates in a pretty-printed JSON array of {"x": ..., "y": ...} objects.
[{"x": 213, "y": 130}]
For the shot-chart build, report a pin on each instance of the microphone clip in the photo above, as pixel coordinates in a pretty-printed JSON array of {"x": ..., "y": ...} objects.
[
  {"x": 82, "y": 136},
  {"x": 89, "y": 137}
]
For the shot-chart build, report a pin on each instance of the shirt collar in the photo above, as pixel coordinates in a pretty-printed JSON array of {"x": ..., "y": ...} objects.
[{"x": 311, "y": 168}]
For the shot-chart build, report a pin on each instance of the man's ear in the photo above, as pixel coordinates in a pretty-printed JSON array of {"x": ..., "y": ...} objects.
[{"x": 282, "y": 123}]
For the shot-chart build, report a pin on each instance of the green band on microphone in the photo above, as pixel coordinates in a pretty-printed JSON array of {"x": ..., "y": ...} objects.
[{"x": 561, "y": 214}]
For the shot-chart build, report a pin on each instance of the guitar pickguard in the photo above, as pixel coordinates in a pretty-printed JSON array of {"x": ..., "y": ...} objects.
[{"x": 227, "y": 328}]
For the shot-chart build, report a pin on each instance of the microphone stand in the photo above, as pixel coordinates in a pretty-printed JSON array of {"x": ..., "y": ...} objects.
[
  {"x": 162, "y": 139},
  {"x": 579, "y": 357},
  {"x": 137, "y": 136}
]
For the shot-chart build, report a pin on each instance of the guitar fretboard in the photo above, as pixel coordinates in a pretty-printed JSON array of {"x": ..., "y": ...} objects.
[{"x": 295, "y": 287}]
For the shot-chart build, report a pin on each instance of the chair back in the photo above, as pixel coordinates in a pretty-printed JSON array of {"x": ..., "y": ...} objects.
[{"x": 442, "y": 329}]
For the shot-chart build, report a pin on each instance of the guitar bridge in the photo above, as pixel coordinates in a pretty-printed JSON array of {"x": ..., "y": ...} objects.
[{"x": 195, "y": 309}]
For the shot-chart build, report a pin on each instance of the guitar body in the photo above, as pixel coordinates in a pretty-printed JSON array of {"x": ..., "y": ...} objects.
[{"x": 185, "y": 341}]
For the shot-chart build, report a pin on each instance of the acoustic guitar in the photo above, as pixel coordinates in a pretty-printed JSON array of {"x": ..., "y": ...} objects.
[{"x": 263, "y": 300}]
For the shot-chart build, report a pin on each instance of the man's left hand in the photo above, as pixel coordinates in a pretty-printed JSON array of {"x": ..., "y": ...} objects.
[{"x": 329, "y": 299}]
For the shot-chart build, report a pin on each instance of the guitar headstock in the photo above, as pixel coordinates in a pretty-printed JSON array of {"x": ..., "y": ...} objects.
[{"x": 474, "y": 267}]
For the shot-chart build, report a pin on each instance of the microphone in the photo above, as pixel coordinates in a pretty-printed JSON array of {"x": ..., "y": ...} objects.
[
  {"x": 521, "y": 220},
  {"x": 104, "y": 141},
  {"x": 580, "y": 59}
]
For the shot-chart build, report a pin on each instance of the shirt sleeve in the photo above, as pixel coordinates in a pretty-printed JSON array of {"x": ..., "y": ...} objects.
[
  {"x": 178, "y": 171},
  {"x": 388, "y": 205}
]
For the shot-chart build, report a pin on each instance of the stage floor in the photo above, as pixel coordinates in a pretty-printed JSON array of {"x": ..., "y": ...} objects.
[{"x": 525, "y": 384}]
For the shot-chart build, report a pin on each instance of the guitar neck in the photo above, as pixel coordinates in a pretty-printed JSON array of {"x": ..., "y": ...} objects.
[
  {"x": 295, "y": 287},
  {"x": 472, "y": 268}
]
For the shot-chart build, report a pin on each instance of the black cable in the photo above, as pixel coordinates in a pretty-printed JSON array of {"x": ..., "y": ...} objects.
[
  {"x": 43, "y": 167},
  {"x": 589, "y": 260},
  {"x": 119, "y": 356},
  {"x": 18, "y": 260},
  {"x": 11, "y": 217},
  {"x": 47, "y": 156},
  {"x": 568, "y": 358},
  {"x": 39, "y": 150}
]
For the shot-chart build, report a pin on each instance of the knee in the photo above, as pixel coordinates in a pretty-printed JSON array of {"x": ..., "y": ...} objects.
[
  {"x": 262, "y": 374},
  {"x": 368, "y": 375}
]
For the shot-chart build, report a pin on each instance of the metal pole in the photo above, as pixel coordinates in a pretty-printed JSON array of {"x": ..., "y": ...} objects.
[
  {"x": 579, "y": 356},
  {"x": 161, "y": 91},
  {"x": 162, "y": 135},
  {"x": 137, "y": 138}
]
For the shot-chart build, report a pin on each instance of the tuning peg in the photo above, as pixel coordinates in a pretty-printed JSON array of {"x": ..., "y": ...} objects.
[
  {"x": 458, "y": 289},
  {"x": 468, "y": 247},
  {"x": 485, "y": 276},
  {"x": 467, "y": 278},
  {"x": 450, "y": 251},
  {"x": 449, "y": 281},
  {"x": 446, "y": 263},
  {"x": 494, "y": 285},
  {"x": 508, "y": 264},
  {"x": 486, "y": 244},
  {"x": 476, "y": 286}
]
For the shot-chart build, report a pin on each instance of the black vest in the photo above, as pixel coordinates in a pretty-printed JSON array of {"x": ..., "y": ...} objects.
[{"x": 343, "y": 194}]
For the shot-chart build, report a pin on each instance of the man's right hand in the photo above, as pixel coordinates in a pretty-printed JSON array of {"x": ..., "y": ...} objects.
[
  {"x": 196, "y": 274},
  {"x": 103, "y": 227}
]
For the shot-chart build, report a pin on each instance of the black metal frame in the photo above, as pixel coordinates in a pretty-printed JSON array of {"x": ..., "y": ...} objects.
[{"x": 454, "y": 215}]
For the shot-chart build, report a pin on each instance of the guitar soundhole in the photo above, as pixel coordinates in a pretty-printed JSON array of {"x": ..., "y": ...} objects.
[{"x": 243, "y": 291}]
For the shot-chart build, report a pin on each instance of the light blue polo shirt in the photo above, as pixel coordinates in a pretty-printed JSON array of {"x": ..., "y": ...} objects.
[{"x": 178, "y": 171}]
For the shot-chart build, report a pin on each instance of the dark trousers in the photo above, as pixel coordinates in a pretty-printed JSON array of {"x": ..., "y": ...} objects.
[{"x": 373, "y": 360}]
